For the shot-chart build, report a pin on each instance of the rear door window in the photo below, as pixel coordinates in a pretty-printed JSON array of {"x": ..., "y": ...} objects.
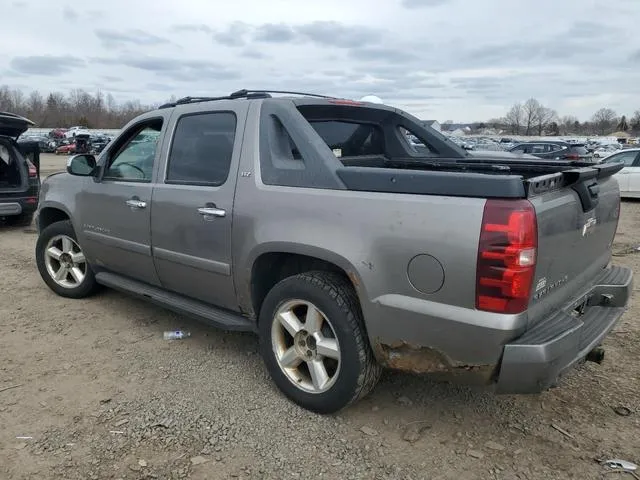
[
  {"x": 538, "y": 148},
  {"x": 202, "y": 148}
]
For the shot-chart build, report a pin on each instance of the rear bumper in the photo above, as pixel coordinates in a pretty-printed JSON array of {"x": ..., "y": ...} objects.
[
  {"x": 535, "y": 361},
  {"x": 18, "y": 206},
  {"x": 10, "y": 208}
]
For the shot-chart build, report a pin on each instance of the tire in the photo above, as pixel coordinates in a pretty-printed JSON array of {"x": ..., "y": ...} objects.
[
  {"x": 22, "y": 220},
  {"x": 60, "y": 235},
  {"x": 350, "y": 375}
]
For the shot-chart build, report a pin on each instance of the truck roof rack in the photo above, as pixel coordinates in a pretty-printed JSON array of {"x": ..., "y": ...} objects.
[{"x": 244, "y": 93}]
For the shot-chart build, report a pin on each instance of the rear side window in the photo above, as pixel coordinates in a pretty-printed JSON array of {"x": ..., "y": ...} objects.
[
  {"x": 202, "y": 149},
  {"x": 415, "y": 144},
  {"x": 351, "y": 139}
]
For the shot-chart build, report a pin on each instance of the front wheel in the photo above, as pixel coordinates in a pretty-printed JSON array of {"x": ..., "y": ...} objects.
[
  {"x": 61, "y": 262},
  {"x": 314, "y": 343}
]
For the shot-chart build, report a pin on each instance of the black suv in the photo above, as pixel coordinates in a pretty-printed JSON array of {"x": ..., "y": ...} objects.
[
  {"x": 554, "y": 150},
  {"x": 19, "y": 171}
]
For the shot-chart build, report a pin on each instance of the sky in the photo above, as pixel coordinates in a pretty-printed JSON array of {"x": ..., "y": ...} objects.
[{"x": 460, "y": 60}]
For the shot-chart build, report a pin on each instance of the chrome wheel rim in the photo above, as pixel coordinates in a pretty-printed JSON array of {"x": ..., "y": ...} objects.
[
  {"x": 305, "y": 346},
  {"x": 65, "y": 261}
]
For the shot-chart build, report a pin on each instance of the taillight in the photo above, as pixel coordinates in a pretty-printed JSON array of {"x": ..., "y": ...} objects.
[
  {"x": 572, "y": 156},
  {"x": 506, "y": 256},
  {"x": 33, "y": 171},
  {"x": 343, "y": 101}
]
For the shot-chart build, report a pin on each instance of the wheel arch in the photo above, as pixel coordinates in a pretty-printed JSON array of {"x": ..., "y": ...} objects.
[
  {"x": 51, "y": 213},
  {"x": 270, "y": 265}
]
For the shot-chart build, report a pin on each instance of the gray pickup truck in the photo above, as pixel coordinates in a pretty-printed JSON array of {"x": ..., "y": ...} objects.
[{"x": 316, "y": 223}]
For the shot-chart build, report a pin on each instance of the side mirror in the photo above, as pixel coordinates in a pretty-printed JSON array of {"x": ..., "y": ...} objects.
[{"x": 81, "y": 165}]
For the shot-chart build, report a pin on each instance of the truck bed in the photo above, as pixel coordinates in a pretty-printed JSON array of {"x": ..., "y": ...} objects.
[{"x": 487, "y": 178}]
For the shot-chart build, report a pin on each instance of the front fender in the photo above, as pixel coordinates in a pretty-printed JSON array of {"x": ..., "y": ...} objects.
[{"x": 59, "y": 192}]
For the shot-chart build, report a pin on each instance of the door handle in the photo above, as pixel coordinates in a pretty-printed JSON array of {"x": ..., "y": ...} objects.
[
  {"x": 133, "y": 203},
  {"x": 212, "y": 212}
]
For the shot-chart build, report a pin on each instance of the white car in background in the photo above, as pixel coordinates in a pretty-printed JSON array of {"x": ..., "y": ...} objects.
[
  {"x": 77, "y": 130},
  {"x": 605, "y": 150},
  {"x": 629, "y": 177}
]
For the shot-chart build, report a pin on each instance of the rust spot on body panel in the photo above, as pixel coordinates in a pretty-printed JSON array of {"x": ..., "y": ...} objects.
[
  {"x": 425, "y": 360},
  {"x": 354, "y": 279}
]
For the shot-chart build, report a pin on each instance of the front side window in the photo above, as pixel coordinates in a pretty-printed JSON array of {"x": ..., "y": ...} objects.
[
  {"x": 133, "y": 161},
  {"x": 202, "y": 149}
]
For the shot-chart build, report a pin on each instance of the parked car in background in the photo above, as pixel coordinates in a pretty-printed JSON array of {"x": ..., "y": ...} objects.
[
  {"x": 19, "y": 171},
  {"x": 97, "y": 143},
  {"x": 345, "y": 246},
  {"x": 604, "y": 151},
  {"x": 42, "y": 141},
  {"x": 629, "y": 177},
  {"x": 67, "y": 147},
  {"x": 73, "y": 131},
  {"x": 554, "y": 150},
  {"x": 57, "y": 133}
]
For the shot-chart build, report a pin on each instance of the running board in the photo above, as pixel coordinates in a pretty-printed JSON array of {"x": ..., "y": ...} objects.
[{"x": 201, "y": 311}]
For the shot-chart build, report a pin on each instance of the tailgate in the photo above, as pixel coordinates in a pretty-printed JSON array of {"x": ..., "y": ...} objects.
[{"x": 576, "y": 227}]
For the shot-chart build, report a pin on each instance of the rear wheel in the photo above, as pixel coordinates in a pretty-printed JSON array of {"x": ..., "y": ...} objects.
[
  {"x": 61, "y": 262},
  {"x": 314, "y": 343}
]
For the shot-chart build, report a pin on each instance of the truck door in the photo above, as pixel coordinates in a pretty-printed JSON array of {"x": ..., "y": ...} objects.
[
  {"x": 192, "y": 204},
  {"x": 115, "y": 211}
]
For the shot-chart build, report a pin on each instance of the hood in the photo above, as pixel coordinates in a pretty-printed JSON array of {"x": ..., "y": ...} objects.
[{"x": 12, "y": 125}]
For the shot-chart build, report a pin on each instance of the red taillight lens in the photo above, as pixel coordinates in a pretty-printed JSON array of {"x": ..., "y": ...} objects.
[
  {"x": 343, "y": 101},
  {"x": 33, "y": 171},
  {"x": 572, "y": 156},
  {"x": 506, "y": 256}
]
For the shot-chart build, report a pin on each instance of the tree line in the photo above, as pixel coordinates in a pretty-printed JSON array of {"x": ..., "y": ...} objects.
[
  {"x": 78, "y": 107},
  {"x": 98, "y": 110},
  {"x": 533, "y": 118}
]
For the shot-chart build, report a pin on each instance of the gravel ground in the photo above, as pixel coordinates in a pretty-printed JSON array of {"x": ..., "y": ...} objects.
[{"x": 100, "y": 395}]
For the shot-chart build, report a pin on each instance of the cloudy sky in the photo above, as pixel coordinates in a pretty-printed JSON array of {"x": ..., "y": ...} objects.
[{"x": 463, "y": 60}]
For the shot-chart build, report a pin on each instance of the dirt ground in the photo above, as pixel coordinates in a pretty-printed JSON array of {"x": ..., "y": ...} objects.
[{"x": 99, "y": 394}]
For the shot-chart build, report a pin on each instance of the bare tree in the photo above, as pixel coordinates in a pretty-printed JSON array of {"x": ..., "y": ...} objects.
[
  {"x": 623, "y": 125},
  {"x": 514, "y": 118},
  {"x": 567, "y": 125},
  {"x": 544, "y": 117},
  {"x": 531, "y": 109},
  {"x": 77, "y": 108},
  {"x": 604, "y": 120},
  {"x": 635, "y": 121}
]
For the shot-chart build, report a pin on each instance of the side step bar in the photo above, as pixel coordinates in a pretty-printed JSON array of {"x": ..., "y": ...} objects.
[{"x": 203, "y": 312}]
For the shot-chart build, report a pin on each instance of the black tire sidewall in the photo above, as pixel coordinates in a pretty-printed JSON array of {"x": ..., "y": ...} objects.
[
  {"x": 346, "y": 386},
  {"x": 62, "y": 228}
]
